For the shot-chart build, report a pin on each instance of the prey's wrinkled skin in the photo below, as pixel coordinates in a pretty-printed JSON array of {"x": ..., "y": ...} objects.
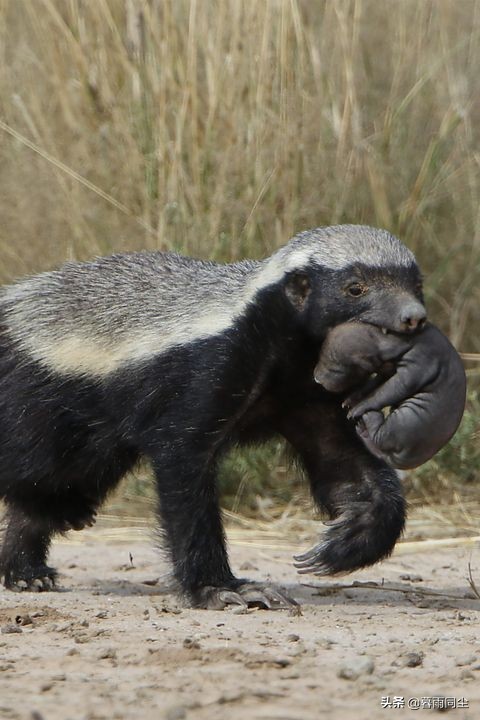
[{"x": 426, "y": 389}]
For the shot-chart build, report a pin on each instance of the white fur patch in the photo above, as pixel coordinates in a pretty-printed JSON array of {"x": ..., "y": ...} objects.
[
  {"x": 78, "y": 355},
  {"x": 92, "y": 318},
  {"x": 339, "y": 246}
]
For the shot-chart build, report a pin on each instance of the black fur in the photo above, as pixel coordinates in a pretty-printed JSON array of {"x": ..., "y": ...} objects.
[{"x": 67, "y": 441}]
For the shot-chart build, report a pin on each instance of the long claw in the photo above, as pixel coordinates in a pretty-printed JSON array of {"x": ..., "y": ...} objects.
[
  {"x": 230, "y": 597},
  {"x": 314, "y": 565},
  {"x": 256, "y": 597},
  {"x": 280, "y": 598},
  {"x": 355, "y": 412},
  {"x": 309, "y": 555},
  {"x": 304, "y": 561},
  {"x": 306, "y": 555},
  {"x": 245, "y": 595},
  {"x": 215, "y": 598},
  {"x": 312, "y": 561},
  {"x": 319, "y": 569},
  {"x": 266, "y": 596}
]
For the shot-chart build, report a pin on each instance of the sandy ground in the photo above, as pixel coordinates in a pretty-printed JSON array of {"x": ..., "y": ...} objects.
[{"x": 115, "y": 644}]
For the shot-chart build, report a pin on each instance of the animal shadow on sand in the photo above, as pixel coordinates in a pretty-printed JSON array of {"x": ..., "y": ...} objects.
[{"x": 320, "y": 594}]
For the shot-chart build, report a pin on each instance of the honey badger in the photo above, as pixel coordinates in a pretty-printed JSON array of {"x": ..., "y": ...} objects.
[{"x": 175, "y": 359}]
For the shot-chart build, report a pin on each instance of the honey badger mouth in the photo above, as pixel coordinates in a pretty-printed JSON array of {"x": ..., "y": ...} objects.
[{"x": 386, "y": 331}]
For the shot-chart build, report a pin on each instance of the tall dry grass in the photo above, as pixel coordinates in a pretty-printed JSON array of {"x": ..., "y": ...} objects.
[
  {"x": 221, "y": 127},
  {"x": 227, "y": 125}
]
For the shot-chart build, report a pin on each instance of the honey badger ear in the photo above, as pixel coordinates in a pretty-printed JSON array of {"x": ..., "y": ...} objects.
[{"x": 298, "y": 288}]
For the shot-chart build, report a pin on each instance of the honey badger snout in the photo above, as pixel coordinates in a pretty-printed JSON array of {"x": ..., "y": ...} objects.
[
  {"x": 399, "y": 312},
  {"x": 412, "y": 316}
]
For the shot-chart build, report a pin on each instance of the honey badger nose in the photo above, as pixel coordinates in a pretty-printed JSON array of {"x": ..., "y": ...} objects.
[{"x": 413, "y": 316}]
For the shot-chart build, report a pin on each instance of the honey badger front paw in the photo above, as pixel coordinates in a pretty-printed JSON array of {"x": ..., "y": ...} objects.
[
  {"x": 246, "y": 594},
  {"x": 357, "y": 537}
]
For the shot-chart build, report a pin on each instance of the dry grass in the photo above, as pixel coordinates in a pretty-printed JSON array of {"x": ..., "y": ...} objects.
[
  {"x": 293, "y": 525},
  {"x": 225, "y": 126},
  {"x": 220, "y": 128}
]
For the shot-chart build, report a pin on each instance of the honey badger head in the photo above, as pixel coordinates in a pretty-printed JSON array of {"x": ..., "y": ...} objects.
[{"x": 352, "y": 272}]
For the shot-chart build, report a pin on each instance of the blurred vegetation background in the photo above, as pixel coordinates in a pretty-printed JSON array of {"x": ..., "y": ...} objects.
[{"x": 219, "y": 128}]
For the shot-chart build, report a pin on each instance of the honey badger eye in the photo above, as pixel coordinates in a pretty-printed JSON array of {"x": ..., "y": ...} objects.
[{"x": 356, "y": 289}]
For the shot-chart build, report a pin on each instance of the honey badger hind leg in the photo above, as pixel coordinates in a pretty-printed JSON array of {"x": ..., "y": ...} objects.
[
  {"x": 23, "y": 557},
  {"x": 35, "y": 515},
  {"x": 362, "y": 495},
  {"x": 27, "y": 535}
]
